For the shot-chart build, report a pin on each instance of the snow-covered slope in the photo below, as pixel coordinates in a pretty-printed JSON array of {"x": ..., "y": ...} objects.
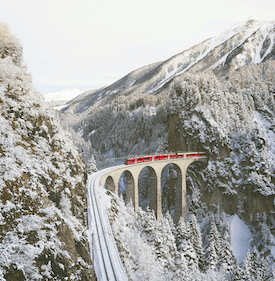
[
  {"x": 241, "y": 237},
  {"x": 42, "y": 185},
  {"x": 247, "y": 43},
  {"x": 62, "y": 97}
]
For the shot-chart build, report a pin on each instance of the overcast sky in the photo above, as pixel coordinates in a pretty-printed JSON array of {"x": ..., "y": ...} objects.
[{"x": 89, "y": 44}]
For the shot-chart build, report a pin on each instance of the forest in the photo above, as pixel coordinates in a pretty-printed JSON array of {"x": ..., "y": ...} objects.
[{"x": 232, "y": 119}]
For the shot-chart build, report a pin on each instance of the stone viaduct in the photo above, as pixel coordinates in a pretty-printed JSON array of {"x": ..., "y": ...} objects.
[{"x": 111, "y": 179}]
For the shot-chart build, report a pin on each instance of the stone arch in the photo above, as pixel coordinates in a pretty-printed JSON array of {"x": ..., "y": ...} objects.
[
  {"x": 192, "y": 176},
  {"x": 110, "y": 184},
  {"x": 122, "y": 186},
  {"x": 131, "y": 193},
  {"x": 171, "y": 185},
  {"x": 151, "y": 177}
]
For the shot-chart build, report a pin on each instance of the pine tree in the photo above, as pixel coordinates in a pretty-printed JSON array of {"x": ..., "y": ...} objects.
[
  {"x": 238, "y": 274},
  {"x": 226, "y": 259},
  {"x": 182, "y": 271},
  {"x": 258, "y": 266},
  {"x": 211, "y": 257},
  {"x": 171, "y": 223},
  {"x": 195, "y": 236},
  {"x": 190, "y": 255},
  {"x": 9, "y": 44},
  {"x": 265, "y": 237},
  {"x": 181, "y": 230},
  {"x": 149, "y": 225},
  {"x": 213, "y": 248},
  {"x": 185, "y": 246},
  {"x": 247, "y": 267},
  {"x": 165, "y": 244}
]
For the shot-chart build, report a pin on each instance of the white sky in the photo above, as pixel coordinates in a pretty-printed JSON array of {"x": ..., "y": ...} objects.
[{"x": 88, "y": 44}]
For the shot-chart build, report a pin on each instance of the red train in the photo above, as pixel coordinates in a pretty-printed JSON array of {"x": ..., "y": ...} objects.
[{"x": 151, "y": 158}]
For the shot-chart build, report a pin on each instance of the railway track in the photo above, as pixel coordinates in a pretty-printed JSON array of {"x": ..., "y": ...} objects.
[{"x": 104, "y": 254}]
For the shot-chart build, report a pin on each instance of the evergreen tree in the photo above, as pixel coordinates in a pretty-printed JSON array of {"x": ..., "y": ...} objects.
[
  {"x": 226, "y": 259},
  {"x": 9, "y": 45},
  {"x": 247, "y": 267},
  {"x": 185, "y": 246},
  {"x": 196, "y": 239},
  {"x": 211, "y": 257},
  {"x": 212, "y": 249},
  {"x": 190, "y": 255},
  {"x": 182, "y": 271},
  {"x": 171, "y": 223},
  {"x": 238, "y": 274},
  {"x": 165, "y": 244},
  {"x": 265, "y": 238},
  {"x": 258, "y": 269},
  {"x": 149, "y": 225},
  {"x": 181, "y": 232}
]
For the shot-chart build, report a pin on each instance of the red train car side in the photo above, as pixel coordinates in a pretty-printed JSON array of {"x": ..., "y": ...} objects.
[{"x": 178, "y": 155}]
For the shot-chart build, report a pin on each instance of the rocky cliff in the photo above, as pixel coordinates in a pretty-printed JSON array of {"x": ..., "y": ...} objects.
[{"x": 42, "y": 184}]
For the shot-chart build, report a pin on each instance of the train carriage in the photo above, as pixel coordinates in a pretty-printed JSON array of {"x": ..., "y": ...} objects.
[{"x": 151, "y": 158}]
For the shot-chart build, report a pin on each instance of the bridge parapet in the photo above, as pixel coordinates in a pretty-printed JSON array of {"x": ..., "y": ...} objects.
[{"x": 111, "y": 179}]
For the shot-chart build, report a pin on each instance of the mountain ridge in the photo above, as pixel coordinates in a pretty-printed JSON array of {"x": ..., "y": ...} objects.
[{"x": 246, "y": 43}]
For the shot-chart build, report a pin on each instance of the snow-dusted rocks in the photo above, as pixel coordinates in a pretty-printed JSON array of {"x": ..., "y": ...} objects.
[{"x": 42, "y": 184}]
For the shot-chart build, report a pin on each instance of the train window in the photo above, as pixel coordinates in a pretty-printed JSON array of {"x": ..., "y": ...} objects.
[{"x": 192, "y": 155}]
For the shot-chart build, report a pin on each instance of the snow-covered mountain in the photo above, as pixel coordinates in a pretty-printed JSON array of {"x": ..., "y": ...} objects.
[
  {"x": 57, "y": 99},
  {"x": 250, "y": 42},
  {"x": 217, "y": 97}
]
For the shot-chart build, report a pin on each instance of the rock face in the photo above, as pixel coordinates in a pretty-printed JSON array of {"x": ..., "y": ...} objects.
[
  {"x": 42, "y": 187},
  {"x": 233, "y": 120}
]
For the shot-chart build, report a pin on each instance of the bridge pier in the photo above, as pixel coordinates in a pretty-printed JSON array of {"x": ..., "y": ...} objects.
[
  {"x": 132, "y": 190},
  {"x": 180, "y": 198},
  {"x": 155, "y": 193}
]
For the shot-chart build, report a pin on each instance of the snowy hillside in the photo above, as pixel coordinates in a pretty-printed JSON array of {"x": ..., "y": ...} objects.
[
  {"x": 248, "y": 43},
  {"x": 216, "y": 97},
  {"x": 42, "y": 183},
  {"x": 210, "y": 246}
]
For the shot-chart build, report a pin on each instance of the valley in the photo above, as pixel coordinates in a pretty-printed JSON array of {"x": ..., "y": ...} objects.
[{"x": 215, "y": 98}]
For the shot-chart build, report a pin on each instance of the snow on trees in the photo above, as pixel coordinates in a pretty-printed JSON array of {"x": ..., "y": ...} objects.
[
  {"x": 9, "y": 44},
  {"x": 196, "y": 239},
  {"x": 41, "y": 182},
  {"x": 213, "y": 248}
]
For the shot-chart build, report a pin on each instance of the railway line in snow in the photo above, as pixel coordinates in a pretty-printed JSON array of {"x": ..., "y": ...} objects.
[{"x": 104, "y": 254}]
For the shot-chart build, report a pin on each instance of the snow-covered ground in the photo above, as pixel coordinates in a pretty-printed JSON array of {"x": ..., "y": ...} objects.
[{"x": 241, "y": 237}]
